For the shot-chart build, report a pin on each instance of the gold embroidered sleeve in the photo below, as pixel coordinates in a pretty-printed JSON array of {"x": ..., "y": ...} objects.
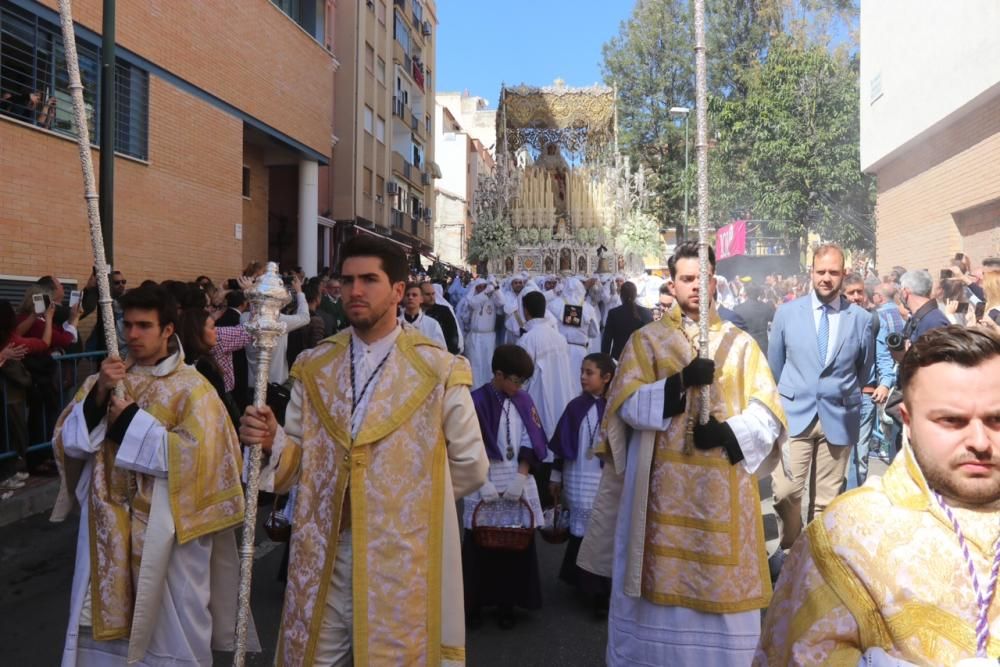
[
  {"x": 461, "y": 373},
  {"x": 467, "y": 460},
  {"x": 807, "y": 623},
  {"x": 204, "y": 462}
]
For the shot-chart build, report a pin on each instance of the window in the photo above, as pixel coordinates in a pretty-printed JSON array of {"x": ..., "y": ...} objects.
[
  {"x": 379, "y": 189},
  {"x": 369, "y": 114},
  {"x": 418, "y": 12},
  {"x": 34, "y": 85},
  {"x": 402, "y": 34},
  {"x": 366, "y": 185},
  {"x": 418, "y": 156},
  {"x": 380, "y": 71},
  {"x": 380, "y": 129},
  {"x": 381, "y": 12},
  {"x": 369, "y": 58},
  {"x": 309, "y": 14},
  {"x": 246, "y": 182}
]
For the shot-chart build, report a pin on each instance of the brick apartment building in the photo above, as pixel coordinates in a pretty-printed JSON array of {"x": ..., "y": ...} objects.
[
  {"x": 930, "y": 129},
  {"x": 224, "y": 119},
  {"x": 384, "y": 121}
]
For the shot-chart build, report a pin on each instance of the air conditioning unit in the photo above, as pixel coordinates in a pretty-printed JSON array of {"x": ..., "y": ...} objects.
[
  {"x": 426, "y": 28},
  {"x": 425, "y": 178},
  {"x": 428, "y": 214},
  {"x": 392, "y": 187}
]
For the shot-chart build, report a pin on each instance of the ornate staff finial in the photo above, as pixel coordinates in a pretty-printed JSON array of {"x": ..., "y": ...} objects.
[{"x": 267, "y": 297}]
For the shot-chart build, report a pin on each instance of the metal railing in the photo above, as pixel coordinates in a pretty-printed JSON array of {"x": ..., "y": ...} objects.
[
  {"x": 767, "y": 245},
  {"x": 31, "y": 412}
]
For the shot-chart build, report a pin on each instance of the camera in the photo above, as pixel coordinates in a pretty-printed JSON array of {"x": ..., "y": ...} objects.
[{"x": 895, "y": 341}]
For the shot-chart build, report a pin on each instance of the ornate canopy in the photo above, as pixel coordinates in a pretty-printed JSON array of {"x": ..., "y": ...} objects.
[{"x": 579, "y": 120}]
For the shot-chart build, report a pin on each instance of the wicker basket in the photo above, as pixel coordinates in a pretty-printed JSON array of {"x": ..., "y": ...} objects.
[{"x": 503, "y": 538}]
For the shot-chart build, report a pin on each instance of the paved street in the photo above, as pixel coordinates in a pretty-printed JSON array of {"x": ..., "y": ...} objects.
[{"x": 36, "y": 567}]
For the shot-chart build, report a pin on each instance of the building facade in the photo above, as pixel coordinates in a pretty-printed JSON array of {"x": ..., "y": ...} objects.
[
  {"x": 218, "y": 141},
  {"x": 384, "y": 152},
  {"x": 462, "y": 157},
  {"x": 930, "y": 128}
]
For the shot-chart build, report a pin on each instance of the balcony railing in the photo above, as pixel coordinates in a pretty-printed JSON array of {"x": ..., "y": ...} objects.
[{"x": 396, "y": 219}]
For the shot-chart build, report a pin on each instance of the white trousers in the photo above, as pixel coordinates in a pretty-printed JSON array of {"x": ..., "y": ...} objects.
[{"x": 334, "y": 647}]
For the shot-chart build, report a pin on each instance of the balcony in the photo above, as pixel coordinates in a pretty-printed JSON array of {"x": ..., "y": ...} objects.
[
  {"x": 398, "y": 108},
  {"x": 415, "y": 227},
  {"x": 417, "y": 70},
  {"x": 402, "y": 166},
  {"x": 396, "y": 219}
]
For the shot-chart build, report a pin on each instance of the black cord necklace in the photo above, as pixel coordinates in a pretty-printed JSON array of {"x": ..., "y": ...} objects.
[{"x": 505, "y": 409}]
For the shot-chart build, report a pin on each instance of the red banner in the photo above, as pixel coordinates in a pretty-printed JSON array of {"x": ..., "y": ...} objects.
[{"x": 731, "y": 240}]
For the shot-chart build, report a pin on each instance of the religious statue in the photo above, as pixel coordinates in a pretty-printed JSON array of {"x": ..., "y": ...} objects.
[
  {"x": 552, "y": 160},
  {"x": 565, "y": 260},
  {"x": 508, "y": 265}
]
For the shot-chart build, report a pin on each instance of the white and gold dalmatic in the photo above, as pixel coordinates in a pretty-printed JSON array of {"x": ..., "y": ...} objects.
[
  {"x": 156, "y": 563},
  {"x": 418, "y": 448},
  {"x": 688, "y": 537},
  {"x": 882, "y": 568}
]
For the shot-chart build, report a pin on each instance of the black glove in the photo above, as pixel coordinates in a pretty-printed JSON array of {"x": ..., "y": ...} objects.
[
  {"x": 698, "y": 373},
  {"x": 718, "y": 434},
  {"x": 674, "y": 397}
]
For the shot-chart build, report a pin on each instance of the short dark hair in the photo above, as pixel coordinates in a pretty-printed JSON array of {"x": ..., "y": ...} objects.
[
  {"x": 534, "y": 304},
  {"x": 48, "y": 282},
  {"x": 513, "y": 360},
  {"x": 953, "y": 344},
  {"x": 755, "y": 292},
  {"x": 605, "y": 364},
  {"x": 991, "y": 263},
  {"x": 393, "y": 259},
  {"x": 310, "y": 291},
  {"x": 688, "y": 250},
  {"x": 235, "y": 298},
  {"x": 151, "y": 297}
]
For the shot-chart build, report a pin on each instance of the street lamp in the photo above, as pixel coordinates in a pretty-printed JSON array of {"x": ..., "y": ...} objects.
[{"x": 685, "y": 112}]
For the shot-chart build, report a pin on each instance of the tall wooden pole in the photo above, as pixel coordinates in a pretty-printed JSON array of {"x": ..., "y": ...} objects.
[
  {"x": 89, "y": 188},
  {"x": 701, "y": 111}
]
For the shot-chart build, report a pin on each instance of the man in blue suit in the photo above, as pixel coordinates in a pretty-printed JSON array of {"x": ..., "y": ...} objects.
[{"x": 821, "y": 351}]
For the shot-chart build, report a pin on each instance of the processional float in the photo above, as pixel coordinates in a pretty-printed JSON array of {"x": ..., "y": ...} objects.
[{"x": 266, "y": 298}]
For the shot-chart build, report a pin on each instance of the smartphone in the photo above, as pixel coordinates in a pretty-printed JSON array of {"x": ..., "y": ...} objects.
[
  {"x": 963, "y": 308},
  {"x": 74, "y": 297},
  {"x": 980, "y": 310},
  {"x": 39, "y": 300}
]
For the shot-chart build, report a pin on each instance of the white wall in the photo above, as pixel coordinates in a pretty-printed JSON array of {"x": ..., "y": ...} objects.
[{"x": 929, "y": 58}]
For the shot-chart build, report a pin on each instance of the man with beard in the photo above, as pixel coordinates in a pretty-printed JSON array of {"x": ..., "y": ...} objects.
[
  {"x": 821, "y": 350},
  {"x": 381, "y": 437},
  {"x": 903, "y": 570},
  {"x": 88, "y": 304}
]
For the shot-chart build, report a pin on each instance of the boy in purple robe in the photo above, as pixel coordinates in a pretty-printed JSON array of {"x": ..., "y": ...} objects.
[
  {"x": 515, "y": 443},
  {"x": 576, "y": 472}
]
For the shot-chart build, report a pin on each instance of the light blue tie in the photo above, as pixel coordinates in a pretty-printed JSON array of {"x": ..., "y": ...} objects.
[{"x": 823, "y": 334}]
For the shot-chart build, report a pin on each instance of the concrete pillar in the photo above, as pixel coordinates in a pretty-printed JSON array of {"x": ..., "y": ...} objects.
[{"x": 308, "y": 213}]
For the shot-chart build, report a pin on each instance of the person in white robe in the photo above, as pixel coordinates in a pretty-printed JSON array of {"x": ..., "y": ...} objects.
[
  {"x": 279, "y": 359},
  {"x": 553, "y": 385},
  {"x": 414, "y": 315},
  {"x": 478, "y": 317},
  {"x": 164, "y": 554},
  {"x": 577, "y": 321},
  {"x": 513, "y": 289},
  {"x": 679, "y": 597}
]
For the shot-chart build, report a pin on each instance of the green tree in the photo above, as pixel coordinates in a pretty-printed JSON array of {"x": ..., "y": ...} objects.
[
  {"x": 788, "y": 151},
  {"x": 651, "y": 62}
]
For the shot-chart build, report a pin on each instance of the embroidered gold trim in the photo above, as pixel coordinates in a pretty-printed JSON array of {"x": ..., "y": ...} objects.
[{"x": 871, "y": 626}]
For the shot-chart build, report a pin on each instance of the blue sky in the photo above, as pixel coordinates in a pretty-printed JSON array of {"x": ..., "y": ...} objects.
[{"x": 483, "y": 43}]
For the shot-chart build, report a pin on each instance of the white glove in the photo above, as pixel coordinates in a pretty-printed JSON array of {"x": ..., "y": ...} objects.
[
  {"x": 488, "y": 492},
  {"x": 516, "y": 488}
]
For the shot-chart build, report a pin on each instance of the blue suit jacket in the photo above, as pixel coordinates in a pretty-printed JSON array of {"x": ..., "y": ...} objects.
[{"x": 807, "y": 387}]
